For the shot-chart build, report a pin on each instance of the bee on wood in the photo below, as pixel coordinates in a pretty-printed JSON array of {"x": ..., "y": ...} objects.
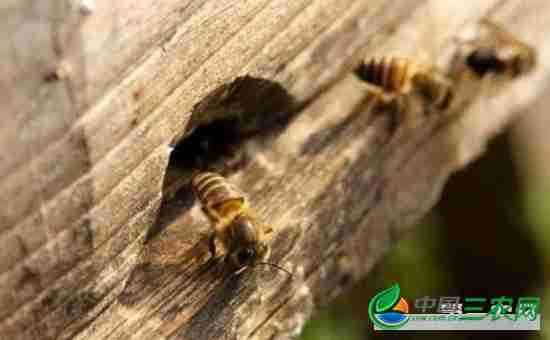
[
  {"x": 497, "y": 51},
  {"x": 234, "y": 226},
  {"x": 399, "y": 76}
]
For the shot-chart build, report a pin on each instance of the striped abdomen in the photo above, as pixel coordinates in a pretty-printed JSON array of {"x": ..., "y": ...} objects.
[
  {"x": 220, "y": 199},
  {"x": 390, "y": 73}
]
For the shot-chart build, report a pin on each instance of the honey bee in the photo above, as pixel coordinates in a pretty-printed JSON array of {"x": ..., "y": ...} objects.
[
  {"x": 234, "y": 226},
  {"x": 497, "y": 51},
  {"x": 399, "y": 76}
]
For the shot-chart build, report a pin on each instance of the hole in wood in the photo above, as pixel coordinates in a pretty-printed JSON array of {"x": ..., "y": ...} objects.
[
  {"x": 234, "y": 113},
  {"x": 220, "y": 124}
]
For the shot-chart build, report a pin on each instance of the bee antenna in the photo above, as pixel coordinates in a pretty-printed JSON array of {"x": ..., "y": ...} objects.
[{"x": 276, "y": 266}]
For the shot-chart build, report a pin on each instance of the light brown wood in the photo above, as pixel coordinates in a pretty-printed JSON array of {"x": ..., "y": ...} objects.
[{"x": 89, "y": 169}]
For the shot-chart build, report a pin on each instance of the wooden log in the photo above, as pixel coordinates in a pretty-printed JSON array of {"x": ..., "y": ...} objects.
[{"x": 108, "y": 111}]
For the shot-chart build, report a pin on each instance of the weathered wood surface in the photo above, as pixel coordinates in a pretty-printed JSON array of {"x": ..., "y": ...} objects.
[{"x": 88, "y": 168}]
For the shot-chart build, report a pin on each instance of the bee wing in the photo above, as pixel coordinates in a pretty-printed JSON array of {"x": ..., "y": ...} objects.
[{"x": 264, "y": 227}]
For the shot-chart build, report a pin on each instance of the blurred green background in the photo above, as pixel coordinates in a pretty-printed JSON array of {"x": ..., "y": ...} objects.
[{"x": 488, "y": 236}]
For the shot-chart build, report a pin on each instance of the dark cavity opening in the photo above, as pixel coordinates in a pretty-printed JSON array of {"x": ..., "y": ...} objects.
[{"x": 220, "y": 124}]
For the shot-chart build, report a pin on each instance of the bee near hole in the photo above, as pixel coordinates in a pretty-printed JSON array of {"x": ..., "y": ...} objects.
[
  {"x": 399, "y": 76},
  {"x": 234, "y": 224}
]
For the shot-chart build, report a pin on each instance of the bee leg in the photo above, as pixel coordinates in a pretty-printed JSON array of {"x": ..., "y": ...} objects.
[
  {"x": 213, "y": 261},
  {"x": 401, "y": 112},
  {"x": 394, "y": 106},
  {"x": 212, "y": 246},
  {"x": 208, "y": 213},
  {"x": 240, "y": 270}
]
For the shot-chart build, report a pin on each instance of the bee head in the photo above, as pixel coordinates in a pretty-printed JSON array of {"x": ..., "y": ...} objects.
[
  {"x": 244, "y": 257},
  {"x": 249, "y": 249}
]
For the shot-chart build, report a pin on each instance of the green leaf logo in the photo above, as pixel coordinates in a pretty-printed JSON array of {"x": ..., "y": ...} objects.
[
  {"x": 381, "y": 310},
  {"x": 386, "y": 299}
]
